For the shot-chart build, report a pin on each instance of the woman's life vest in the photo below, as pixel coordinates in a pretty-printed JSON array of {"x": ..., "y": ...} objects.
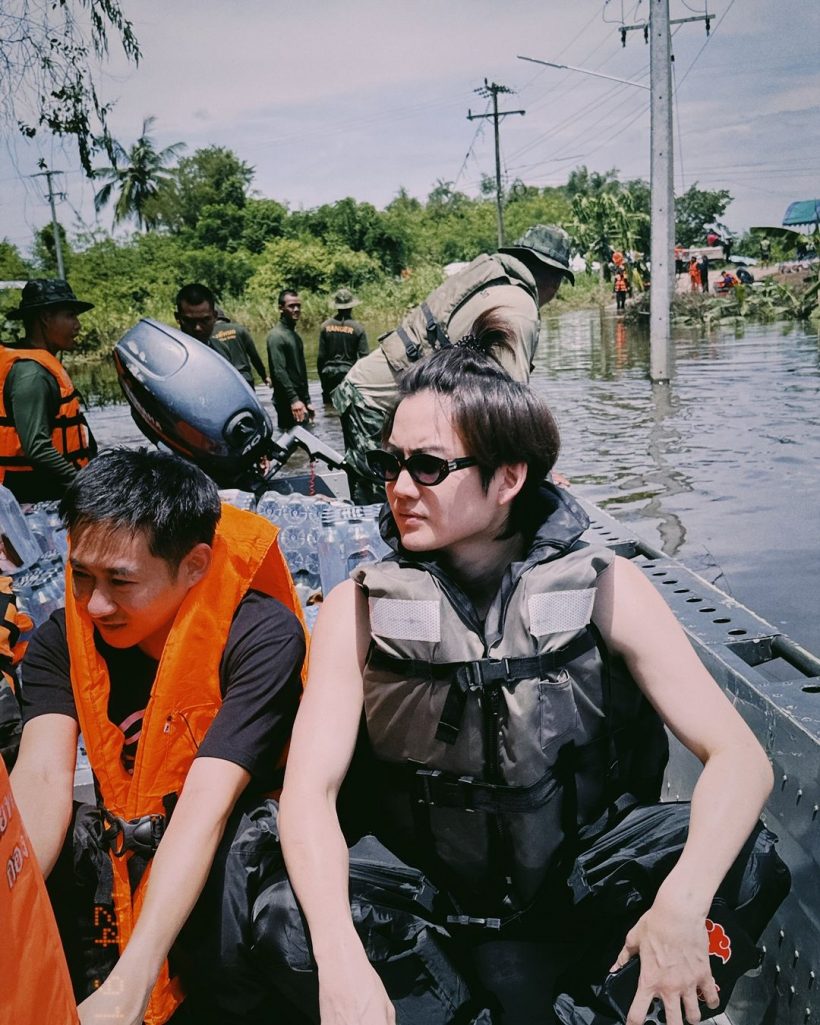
[
  {"x": 424, "y": 329},
  {"x": 70, "y": 435},
  {"x": 36, "y": 984},
  {"x": 500, "y": 739},
  {"x": 621, "y": 284},
  {"x": 184, "y": 700}
]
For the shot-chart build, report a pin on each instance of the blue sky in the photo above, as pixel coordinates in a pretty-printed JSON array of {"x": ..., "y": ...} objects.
[{"x": 328, "y": 99}]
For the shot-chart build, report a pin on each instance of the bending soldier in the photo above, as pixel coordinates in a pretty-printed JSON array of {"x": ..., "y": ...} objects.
[{"x": 516, "y": 282}]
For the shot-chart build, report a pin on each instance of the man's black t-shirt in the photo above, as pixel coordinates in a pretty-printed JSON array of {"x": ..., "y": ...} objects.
[{"x": 259, "y": 676}]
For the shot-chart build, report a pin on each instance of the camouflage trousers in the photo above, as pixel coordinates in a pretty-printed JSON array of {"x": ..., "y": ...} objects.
[{"x": 362, "y": 427}]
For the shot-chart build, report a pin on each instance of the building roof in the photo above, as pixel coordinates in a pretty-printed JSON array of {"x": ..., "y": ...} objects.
[{"x": 804, "y": 211}]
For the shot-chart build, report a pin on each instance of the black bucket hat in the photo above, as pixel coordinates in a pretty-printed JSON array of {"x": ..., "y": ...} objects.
[
  {"x": 44, "y": 293},
  {"x": 548, "y": 243}
]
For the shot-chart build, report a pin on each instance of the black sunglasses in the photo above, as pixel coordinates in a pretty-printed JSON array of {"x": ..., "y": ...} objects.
[{"x": 422, "y": 467}]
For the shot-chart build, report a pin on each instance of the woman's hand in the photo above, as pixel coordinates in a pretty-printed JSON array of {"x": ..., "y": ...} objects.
[
  {"x": 117, "y": 1000},
  {"x": 351, "y": 993},
  {"x": 672, "y": 943}
]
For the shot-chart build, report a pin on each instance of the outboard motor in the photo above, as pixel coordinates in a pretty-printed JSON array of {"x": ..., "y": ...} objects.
[
  {"x": 189, "y": 398},
  {"x": 186, "y": 396}
]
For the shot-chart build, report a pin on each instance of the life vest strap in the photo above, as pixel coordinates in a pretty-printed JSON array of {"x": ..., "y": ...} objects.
[
  {"x": 141, "y": 835},
  {"x": 435, "y": 788},
  {"x": 478, "y": 675}
]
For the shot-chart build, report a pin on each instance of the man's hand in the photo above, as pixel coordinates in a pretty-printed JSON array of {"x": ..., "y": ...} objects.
[
  {"x": 672, "y": 943},
  {"x": 300, "y": 411},
  {"x": 268, "y": 382}
]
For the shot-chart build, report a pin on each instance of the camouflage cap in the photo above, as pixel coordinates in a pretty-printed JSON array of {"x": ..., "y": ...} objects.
[
  {"x": 343, "y": 299},
  {"x": 42, "y": 293},
  {"x": 549, "y": 243}
]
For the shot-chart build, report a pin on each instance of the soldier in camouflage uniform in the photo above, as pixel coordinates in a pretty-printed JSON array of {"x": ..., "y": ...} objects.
[{"x": 516, "y": 281}]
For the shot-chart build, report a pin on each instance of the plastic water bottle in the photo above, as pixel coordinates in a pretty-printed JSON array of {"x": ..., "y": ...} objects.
[
  {"x": 295, "y": 509},
  {"x": 332, "y": 560},
  {"x": 238, "y": 498},
  {"x": 363, "y": 544},
  {"x": 271, "y": 506},
  {"x": 20, "y": 546}
]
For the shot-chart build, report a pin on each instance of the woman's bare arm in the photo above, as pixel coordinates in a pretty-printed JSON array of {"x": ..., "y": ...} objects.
[
  {"x": 736, "y": 780},
  {"x": 322, "y": 746}
]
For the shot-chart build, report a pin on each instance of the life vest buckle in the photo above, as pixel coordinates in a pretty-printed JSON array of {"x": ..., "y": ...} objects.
[
  {"x": 450, "y": 791},
  {"x": 141, "y": 835}
]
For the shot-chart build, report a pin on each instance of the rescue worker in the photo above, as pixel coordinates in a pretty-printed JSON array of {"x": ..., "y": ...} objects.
[
  {"x": 517, "y": 281},
  {"x": 487, "y": 658},
  {"x": 703, "y": 268},
  {"x": 240, "y": 347},
  {"x": 286, "y": 360},
  {"x": 694, "y": 274},
  {"x": 621, "y": 289},
  {"x": 178, "y": 655},
  {"x": 342, "y": 340},
  {"x": 44, "y": 437}
]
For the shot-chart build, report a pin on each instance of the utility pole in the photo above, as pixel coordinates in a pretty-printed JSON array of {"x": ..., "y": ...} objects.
[
  {"x": 490, "y": 90},
  {"x": 58, "y": 248},
  {"x": 662, "y": 232}
]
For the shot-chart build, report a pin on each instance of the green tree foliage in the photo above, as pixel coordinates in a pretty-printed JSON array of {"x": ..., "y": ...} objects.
[
  {"x": 48, "y": 55},
  {"x": 264, "y": 219},
  {"x": 310, "y": 264},
  {"x": 604, "y": 221},
  {"x": 359, "y": 226},
  {"x": 44, "y": 251},
  {"x": 209, "y": 189},
  {"x": 137, "y": 175},
  {"x": 696, "y": 211}
]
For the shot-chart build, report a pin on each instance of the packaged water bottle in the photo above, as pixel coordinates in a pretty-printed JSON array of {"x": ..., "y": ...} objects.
[
  {"x": 311, "y": 615},
  {"x": 363, "y": 543},
  {"x": 332, "y": 561},
  {"x": 271, "y": 506},
  {"x": 238, "y": 498},
  {"x": 20, "y": 546},
  {"x": 295, "y": 509}
]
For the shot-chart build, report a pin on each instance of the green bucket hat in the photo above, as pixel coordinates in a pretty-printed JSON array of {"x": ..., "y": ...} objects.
[
  {"x": 549, "y": 243},
  {"x": 43, "y": 293},
  {"x": 344, "y": 299}
]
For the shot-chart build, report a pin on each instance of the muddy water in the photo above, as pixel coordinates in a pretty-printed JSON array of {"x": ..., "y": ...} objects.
[{"x": 719, "y": 469}]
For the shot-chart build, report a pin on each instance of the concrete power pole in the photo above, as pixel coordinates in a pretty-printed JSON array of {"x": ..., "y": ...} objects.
[
  {"x": 662, "y": 242},
  {"x": 662, "y": 238},
  {"x": 58, "y": 248},
  {"x": 490, "y": 90}
]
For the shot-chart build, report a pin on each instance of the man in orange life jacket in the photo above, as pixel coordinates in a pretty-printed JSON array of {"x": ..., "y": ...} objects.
[
  {"x": 178, "y": 656},
  {"x": 44, "y": 439}
]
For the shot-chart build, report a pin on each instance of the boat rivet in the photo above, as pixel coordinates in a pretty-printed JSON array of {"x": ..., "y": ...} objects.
[
  {"x": 783, "y": 780},
  {"x": 815, "y": 810},
  {"x": 781, "y": 936},
  {"x": 791, "y": 992},
  {"x": 799, "y": 795},
  {"x": 811, "y": 979},
  {"x": 796, "y": 956}
]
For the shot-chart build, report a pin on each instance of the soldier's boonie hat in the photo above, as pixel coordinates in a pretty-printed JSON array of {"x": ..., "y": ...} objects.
[
  {"x": 43, "y": 293},
  {"x": 344, "y": 299},
  {"x": 549, "y": 243}
]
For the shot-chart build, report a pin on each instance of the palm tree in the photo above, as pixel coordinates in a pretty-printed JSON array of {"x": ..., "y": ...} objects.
[{"x": 137, "y": 174}]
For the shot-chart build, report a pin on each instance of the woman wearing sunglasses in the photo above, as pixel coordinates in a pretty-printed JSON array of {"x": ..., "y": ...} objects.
[{"x": 513, "y": 681}]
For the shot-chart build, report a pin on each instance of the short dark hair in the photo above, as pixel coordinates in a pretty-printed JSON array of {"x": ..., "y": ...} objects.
[
  {"x": 500, "y": 421},
  {"x": 286, "y": 292},
  {"x": 170, "y": 499},
  {"x": 195, "y": 295}
]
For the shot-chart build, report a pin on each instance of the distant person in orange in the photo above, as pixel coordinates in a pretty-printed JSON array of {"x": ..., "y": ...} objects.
[
  {"x": 621, "y": 289},
  {"x": 694, "y": 274}
]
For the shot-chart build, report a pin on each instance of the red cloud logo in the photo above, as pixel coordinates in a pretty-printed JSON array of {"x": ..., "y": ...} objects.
[{"x": 719, "y": 943}]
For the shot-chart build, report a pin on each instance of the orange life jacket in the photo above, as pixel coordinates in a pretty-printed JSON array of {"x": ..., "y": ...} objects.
[
  {"x": 621, "y": 284},
  {"x": 69, "y": 435},
  {"x": 36, "y": 984},
  {"x": 184, "y": 700}
]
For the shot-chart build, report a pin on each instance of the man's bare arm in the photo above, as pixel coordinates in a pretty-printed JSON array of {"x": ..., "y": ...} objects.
[
  {"x": 43, "y": 783},
  {"x": 178, "y": 874}
]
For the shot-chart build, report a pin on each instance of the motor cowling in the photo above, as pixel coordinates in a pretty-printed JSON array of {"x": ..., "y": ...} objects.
[{"x": 187, "y": 397}]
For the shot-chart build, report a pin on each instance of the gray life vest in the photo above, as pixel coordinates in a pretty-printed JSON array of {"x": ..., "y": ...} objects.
[
  {"x": 498, "y": 741},
  {"x": 425, "y": 327}
]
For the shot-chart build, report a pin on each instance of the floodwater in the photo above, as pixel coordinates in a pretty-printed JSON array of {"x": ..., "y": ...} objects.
[{"x": 719, "y": 468}]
